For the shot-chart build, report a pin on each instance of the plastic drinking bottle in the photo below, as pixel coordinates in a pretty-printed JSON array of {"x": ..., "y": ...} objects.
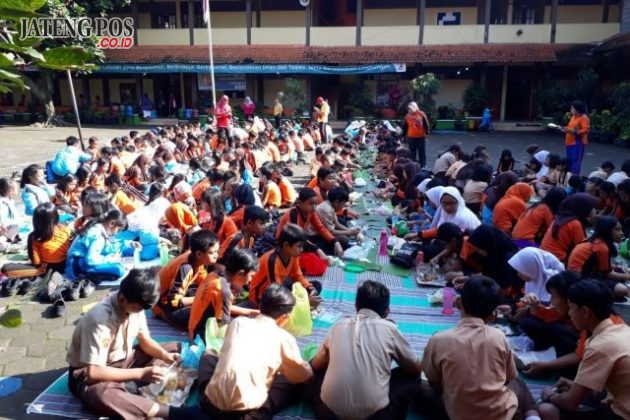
[
  {"x": 163, "y": 254},
  {"x": 394, "y": 219},
  {"x": 382, "y": 250},
  {"x": 419, "y": 258},
  {"x": 136, "y": 258},
  {"x": 448, "y": 294}
]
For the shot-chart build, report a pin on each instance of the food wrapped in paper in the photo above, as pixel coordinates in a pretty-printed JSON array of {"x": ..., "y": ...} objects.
[{"x": 175, "y": 387}]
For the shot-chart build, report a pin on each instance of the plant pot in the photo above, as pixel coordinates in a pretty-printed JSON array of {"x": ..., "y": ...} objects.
[
  {"x": 388, "y": 113},
  {"x": 445, "y": 125}
]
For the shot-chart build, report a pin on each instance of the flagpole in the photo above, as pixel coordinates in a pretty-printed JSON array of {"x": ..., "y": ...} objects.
[{"x": 210, "y": 53}]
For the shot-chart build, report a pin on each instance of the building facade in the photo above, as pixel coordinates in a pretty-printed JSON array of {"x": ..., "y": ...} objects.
[{"x": 332, "y": 46}]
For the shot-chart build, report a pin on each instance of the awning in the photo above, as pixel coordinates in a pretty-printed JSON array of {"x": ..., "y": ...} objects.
[{"x": 250, "y": 68}]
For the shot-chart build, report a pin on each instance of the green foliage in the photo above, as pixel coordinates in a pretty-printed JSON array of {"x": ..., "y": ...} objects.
[
  {"x": 361, "y": 100},
  {"x": 475, "y": 99},
  {"x": 446, "y": 112},
  {"x": 11, "y": 318},
  {"x": 553, "y": 99},
  {"x": 426, "y": 84},
  {"x": 295, "y": 94},
  {"x": 620, "y": 99}
]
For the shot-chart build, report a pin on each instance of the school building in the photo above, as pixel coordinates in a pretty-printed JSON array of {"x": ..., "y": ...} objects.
[{"x": 509, "y": 46}]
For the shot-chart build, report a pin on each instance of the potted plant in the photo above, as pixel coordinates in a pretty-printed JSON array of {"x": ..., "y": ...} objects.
[
  {"x": 425, "y": 86},
  {"x": 360, "y": 100},
  {"x": 596, "y": 121}
]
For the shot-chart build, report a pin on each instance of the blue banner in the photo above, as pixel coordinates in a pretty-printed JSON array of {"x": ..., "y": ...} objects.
[{"x": 250, "y": 68}]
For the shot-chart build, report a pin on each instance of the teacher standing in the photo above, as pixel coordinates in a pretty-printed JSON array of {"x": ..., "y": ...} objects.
[
  {"x": 576, "y": 136},
  {"x": 416, "y": 128}
]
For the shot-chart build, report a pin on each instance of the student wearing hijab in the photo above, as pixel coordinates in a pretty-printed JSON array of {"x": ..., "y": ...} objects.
[
  {"x": 489, "y": 250},
  {"x": 567, "y": 230},
  {"x": 535, "y": 266},
  {"x": 593, "y": 257},
  {"x": 416, "y": 128},
  {"x": 452, "y": 208},
  {"x": 511, "y": 206},
  {"x": 494, "y": 193},
  {"x": 223, "y": 116},
  {"x": 248, "y": 107},
  {"x": 541, "y": 157},
  {"x": 532, "y": 225}
]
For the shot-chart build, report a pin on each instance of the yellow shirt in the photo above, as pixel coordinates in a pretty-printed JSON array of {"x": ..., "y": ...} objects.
[
  {"x": 278, "y": 109},
  {"x": 322, "y": 116}
]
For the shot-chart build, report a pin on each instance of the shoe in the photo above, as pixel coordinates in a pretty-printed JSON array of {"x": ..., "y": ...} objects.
[
  {"x": 57, "y": 309},
  {"x": 51, "y": 291},
  {"x": 71, "y": 291},
  {"x": 25, "y": 286},
  {"x": 86, "y": 289},
  {"x": 10, "y": 287}
]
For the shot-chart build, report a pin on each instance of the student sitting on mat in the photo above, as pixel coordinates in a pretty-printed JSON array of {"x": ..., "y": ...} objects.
[
  {"x": 606, "y": 362},
  {"x": 327, "y": 211},
  {"x": 254, "y": 221},
  {"x": 102, "y": 357},
  {"x": 119, "y": 198},
  {"x": 357, "y": 355},
  {"x": 213, "y": 215},
  {"x": 95, "y": 252},
  {"x": 472, "y": 365},
  {"x": 304, "y": 215},
  {"x": 215, "y": 295},
  {"x": 181, "y": 277},
  {"x": 260, "y": 364},
  {"x": 282, "y": 266}
]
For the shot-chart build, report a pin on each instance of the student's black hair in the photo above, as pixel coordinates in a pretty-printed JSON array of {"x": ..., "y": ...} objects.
[
  {"x": 5, "y": 184},
  {"x": 93, "y": 139},
  {"x": 254, "y": 213},
  {"x": 28, "y": 172},
  {"x": 482, "y": 173},
  {"x": 202, "y": 240},
  {"x": 435, "y": 182},
  {"x": 554, "y": 160},
  {"x": 177, "y": 178},
  {"x": 88, "y": 191},
  {"x": 45, "y": 218},
  {"x": 113, "y": 179},
  {"x": 322, "y": 173},
  {"x": 266, "y": 171},
  {"x": 593, "y": 294},
  {"x": 374, "y": 296},
  {"x": 216, "y": 202},
  {"x": 306, "y": 194},
  {"x": 454, "y": 149},
  {"x": 625, "y": 166},
  {"x": 338, "y": 194},
  {"x": 318, "y": 151},
  {"x": 244, "y": 196},
  {"x": 506, "y": 154},
  {"x": 607, "y": 187},
  {"x": 535, "y": 165},
  {"x": 603, "y": 230},
  {"x": 576, "y": 182},
  {"x": 66, "y": 180},
  {"x": 291, "y": 234},
  {"x": 156, "y": 190},
  {"x": 102, "y": 161},
  {"x": 579, "y": 106},
  {"x": 447, "y": 231},
  {"x": 132, "y": 134},
  {"x": 141, "y": 286},
  {"x": 83, "y": 173},
  {"x": 480, "y": 296},
  {"x": 71, "y": 141},
  {"x": 216, "y": 175},
  {"x": 100, "y": 205},
  {"x": 276, "y": 301},
  {"x": 240, "y": 259},
  {"x": 561, "y": 282},
  {"x": 553, "y": 198},
  {"x": 607, "y": 164},
  {"x": 194, "y": 164},
  {"x": 158, "y": 173},
  {"x": 116, "y": 216}
]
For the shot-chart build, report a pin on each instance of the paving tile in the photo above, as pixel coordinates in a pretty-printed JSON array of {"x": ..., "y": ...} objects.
[{"x": 24, "y": 365}]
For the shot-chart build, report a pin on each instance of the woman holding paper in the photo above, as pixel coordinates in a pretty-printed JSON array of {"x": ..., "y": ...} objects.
[{"x": 576, "y": 136}]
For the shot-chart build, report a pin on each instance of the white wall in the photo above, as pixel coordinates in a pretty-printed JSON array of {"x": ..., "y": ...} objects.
[
  {"x": 389, "y": 17},
  {"x": 451, "y": 93}
]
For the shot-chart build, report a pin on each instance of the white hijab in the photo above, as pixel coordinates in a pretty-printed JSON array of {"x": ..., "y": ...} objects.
[
  {"x": 463, "y": 216},
  {"x": 422, "y": 187},
  {"x": 539, "y": 266},
  {"x": 541, "y": 157},
  {"x": 434, "y": 195}
]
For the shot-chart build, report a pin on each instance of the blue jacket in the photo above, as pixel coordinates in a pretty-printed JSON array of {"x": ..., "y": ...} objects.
[
  {"x": 34, "y": 195},
  {"x": 68, "y": 160}
]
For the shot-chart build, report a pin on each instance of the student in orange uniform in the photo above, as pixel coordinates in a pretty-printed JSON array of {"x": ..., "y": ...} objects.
[
  {"x": 282, "y": 266},
  {"x": 97, "y": 179},
  {"x": 215, "y": 295},
  {"x": 305, "y": 216},
  {"x": 253, "y": 225},
  {"x": 567, "y": 229},
  {"x": 511, "y": 206},
  {"x": 592, "y": 257},
  {"x": 119, "y": 198},
  {"x": 325, "y": 182},
  {"x": 212, "y": 204},
  {"x": 181, "y": 217},
  {"x": 181, "y": 277},
  {"x": 287, "y": 190},
  {"x": 532, "y": 225},
  {"x": 271, "y": 196},
  {"x": 48, "y": 246},
  {"x": 66, "y": 198},
  {"x": 243, "y": 197},
  {"x": 576, "y": 136}
]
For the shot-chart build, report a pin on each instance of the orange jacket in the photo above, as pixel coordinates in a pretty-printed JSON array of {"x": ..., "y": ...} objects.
[
  {"x": 263, "y": 278},
  {"x": 415, "y": 124},
  {"x": 582, "y": 124},
  {"x": 311, "y": 220}
]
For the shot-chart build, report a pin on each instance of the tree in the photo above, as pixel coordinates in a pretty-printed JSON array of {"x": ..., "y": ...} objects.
[
  {"x": 427, "y": 85},
  {"x": 47, "y": 55},
  {"x": 475, "y": 99},
  {"x": 295, "y": 93}
]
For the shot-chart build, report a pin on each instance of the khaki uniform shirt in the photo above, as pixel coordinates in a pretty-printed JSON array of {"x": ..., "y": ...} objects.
[
  {"x": 606, "y": 365},
  {"x": 473, "y": 362},
  {"x": 105, "y": 334},
  {"x": 255, "y": 351},
  {"x": 360, "y": 351}
]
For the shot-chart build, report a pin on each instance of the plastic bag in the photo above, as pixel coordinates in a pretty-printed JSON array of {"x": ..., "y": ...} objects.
[
  {"x": 309, "y": 351},
  {"x": 358, "y": 252},
  {"x": 215, "y": 335},
  {"x": 192, "y": 354},
  {"x": 300, "y": 323}
]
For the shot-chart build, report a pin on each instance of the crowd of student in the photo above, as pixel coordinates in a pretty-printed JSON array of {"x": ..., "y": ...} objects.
[{"x": 212, "y": 195}]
